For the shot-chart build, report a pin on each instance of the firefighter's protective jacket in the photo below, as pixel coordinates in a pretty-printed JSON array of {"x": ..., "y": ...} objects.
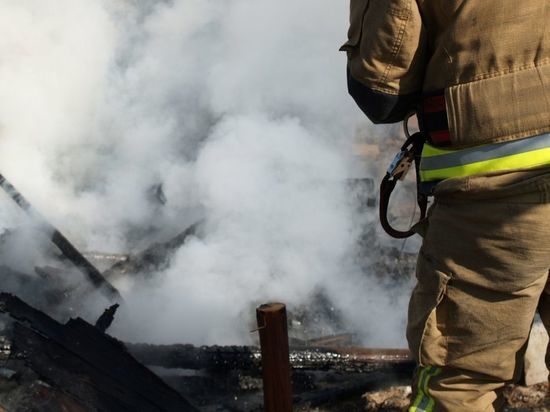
[{"x": 490, "y": 58}]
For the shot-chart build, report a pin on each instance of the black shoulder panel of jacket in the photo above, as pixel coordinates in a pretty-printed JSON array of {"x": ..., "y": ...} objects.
[{"x": 380, "y": 107}]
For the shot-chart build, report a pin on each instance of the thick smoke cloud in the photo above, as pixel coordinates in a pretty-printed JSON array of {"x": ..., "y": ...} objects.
[{"x": 238, "y": 109}]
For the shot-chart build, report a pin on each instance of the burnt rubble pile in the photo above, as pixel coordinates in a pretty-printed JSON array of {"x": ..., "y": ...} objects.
[
  {"x": 320, "y": 375},
  {"x": 47, "y": 365}
]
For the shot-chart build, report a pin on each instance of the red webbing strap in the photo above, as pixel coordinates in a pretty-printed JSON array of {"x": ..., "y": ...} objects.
[
  {"x": 432, "y": 118},
  {"x": 433, "y": 104}
]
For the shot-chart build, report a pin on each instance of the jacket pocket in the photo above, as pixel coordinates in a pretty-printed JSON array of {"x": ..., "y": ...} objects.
[{"x": 358, "y": 9}]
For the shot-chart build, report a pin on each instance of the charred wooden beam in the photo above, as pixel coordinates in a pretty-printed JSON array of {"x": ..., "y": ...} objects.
[
  {"x": 94, "y": 275},
  {"x": 154, "y": 257},
  {"x": 248, "y": 358},
  {"x": 66, "y": 247},
  {"x": 90, "y": 366}
]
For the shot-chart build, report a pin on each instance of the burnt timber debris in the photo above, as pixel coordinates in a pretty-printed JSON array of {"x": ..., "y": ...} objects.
[
  {"x": 106, "y": 318},
  {"x": 48, "y": 366},
  {"x": 57, "y": 367},
  {"x": 77, "y": 367},
  {"x": 66, "y": 247},
  {"x": 74, "y": 366},
  {"x": 248, "y": 358},
  {"x": 152, "y": 258},
  {"x": 37, "y": 354}
]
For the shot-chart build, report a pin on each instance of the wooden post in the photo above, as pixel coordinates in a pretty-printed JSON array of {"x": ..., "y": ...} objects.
[{"x": 273, "y": 330}]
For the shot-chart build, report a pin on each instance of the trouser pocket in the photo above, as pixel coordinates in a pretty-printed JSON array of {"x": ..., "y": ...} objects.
[{"x": 427, "y": 314}]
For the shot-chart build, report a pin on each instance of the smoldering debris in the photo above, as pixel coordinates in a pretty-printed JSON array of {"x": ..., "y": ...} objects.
[
  {"x": 248, "y": 359},
  {"x": 76, "y": 366},
  {"x": 55, "y": 367},
  {"x": 69, "y": 252},
  {"x": 321, "y": 374},
  {"x": 166, "y": 117},
  {"x": 324, "y": 369},
  {"x": 152, "y": 259}
]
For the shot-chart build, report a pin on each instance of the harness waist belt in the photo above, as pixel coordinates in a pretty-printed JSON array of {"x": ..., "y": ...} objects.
[{"x": 439, "y": 163}]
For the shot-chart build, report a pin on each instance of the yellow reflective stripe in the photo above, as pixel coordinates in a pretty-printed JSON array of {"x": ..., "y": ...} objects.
[
  {"x": 431, "y": 402},
  {"x": 430, "y": 406},
  {"x": 428, "y": 150},
  {"x": 420, "y": 396},
  {"x": 423, "y": 401},
  {"x": 525, "y": 160}
]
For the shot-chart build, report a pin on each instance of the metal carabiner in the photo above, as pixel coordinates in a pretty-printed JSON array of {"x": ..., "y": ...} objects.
[{"x": 401, "y": 164}]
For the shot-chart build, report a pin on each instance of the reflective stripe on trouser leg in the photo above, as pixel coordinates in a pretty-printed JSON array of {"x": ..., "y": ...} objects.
[{"x": 423, "y": 401}]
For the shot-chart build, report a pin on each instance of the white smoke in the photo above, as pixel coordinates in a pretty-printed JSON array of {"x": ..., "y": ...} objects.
[{"x": 239, "y": 109}]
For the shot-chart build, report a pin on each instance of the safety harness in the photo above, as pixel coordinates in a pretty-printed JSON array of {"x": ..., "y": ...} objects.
[{"x": 435, "y": 161}]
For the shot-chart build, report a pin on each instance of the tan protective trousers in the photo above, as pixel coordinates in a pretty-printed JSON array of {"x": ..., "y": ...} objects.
[{"x": 481, "y": 273}]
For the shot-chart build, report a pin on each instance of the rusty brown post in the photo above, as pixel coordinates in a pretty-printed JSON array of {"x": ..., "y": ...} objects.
[{"x": 272, "y": 325}]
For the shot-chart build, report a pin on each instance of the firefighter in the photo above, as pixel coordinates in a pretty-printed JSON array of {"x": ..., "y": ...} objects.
[{"x": 477, "y": 75}]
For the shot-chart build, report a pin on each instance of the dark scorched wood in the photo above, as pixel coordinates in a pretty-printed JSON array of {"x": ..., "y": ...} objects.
[
  {"x": 92, "y": 367},
  {"x": 57, "y": 238},
  {"x": 153, "y": 258}
]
